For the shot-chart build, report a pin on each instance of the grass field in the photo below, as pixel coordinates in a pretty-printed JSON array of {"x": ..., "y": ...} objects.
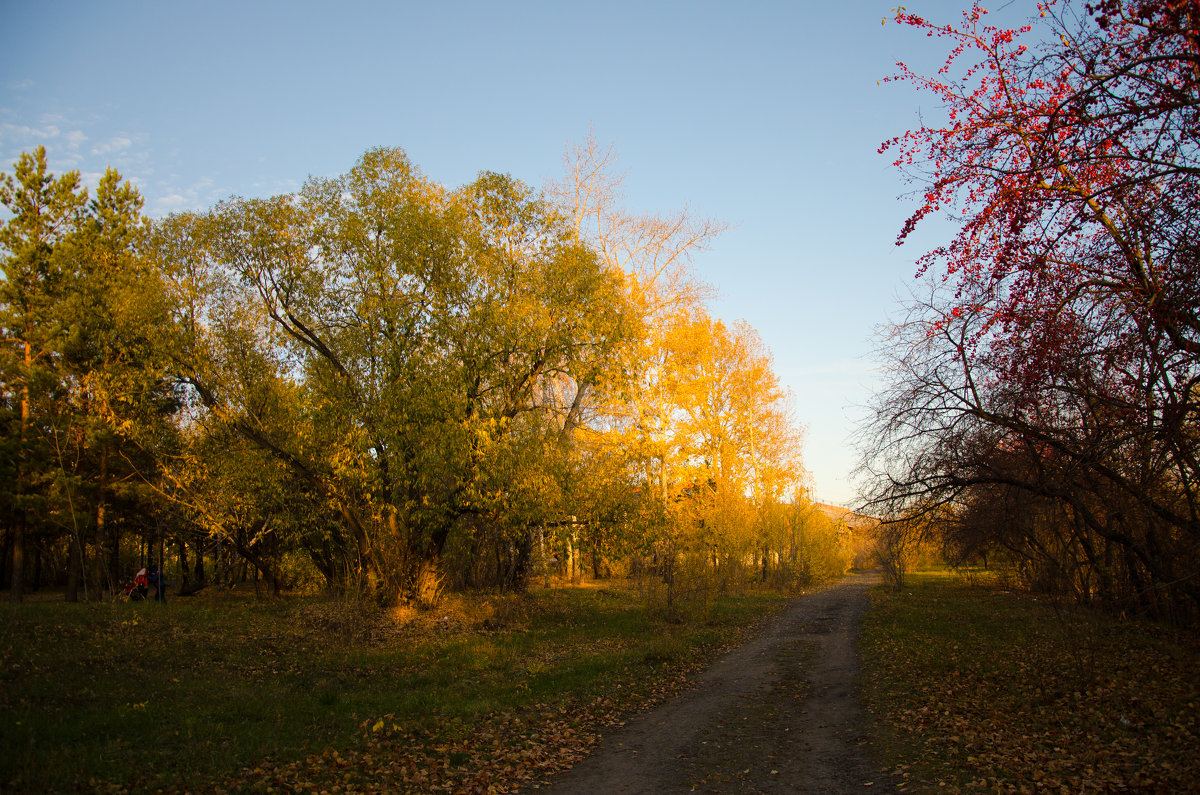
[
  {"x": 226, "y": 693},
  {"x": 972, "y": 689},
  {"x": 977, "y": 689}
]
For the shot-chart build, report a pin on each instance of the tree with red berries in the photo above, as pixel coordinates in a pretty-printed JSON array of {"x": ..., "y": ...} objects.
[{"x": 1057, "y": 355}]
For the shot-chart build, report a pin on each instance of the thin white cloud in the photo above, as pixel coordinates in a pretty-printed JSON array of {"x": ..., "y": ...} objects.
[
  {"x": 16, "y": 139},
  {"x": 20, "y": 85},
  {"x": 112, "y": 145},
  {"x": 171, "y": 203},
  {"x": 173, "y": 198},
  {"x": 55, "y": 119},
  {"x": 23, "y": 132},
  {"x": 73, "y": 144}
]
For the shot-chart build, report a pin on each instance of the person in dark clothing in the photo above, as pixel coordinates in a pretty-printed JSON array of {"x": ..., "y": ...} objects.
[{"x": 156, "y": 579}]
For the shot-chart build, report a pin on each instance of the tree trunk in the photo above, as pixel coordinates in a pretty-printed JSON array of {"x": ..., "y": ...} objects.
[
  {"x": 571, "y": 557},
  {"x": 266, "y": 564},
  {"x": 522, "y": 565},
  {"x": 427, "y": 583},
  {"x": 37, "y": 567},
  {"x": 16, "y": 591},
  {"x": 114, "y": 543},
  {"x": 181, "y": 548},
  {"x": 74, "y": 569},
  {"x": 199, "y": 569}
]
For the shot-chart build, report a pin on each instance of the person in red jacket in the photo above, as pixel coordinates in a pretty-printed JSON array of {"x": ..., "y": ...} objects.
[{"x": 141, "y": 584}]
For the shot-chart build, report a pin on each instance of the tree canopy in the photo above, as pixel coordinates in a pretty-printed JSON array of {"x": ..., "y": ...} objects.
[
  {"x": 1044, "y": 386},
  {"x": 391, "y": 385}
]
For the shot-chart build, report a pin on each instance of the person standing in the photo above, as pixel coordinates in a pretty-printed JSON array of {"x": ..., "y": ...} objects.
[{"x": 156, "y": 578}]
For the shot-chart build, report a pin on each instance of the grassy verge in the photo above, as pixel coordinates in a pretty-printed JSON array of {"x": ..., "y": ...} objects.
[
  {"x": 976, "y": 689},
  {"x": 309, "y": 695}
]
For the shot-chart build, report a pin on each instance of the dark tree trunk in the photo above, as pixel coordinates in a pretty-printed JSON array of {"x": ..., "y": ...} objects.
[
  {"x": 37, "y": 568},
  {"x": 181, "y": 548},
  {"x": 16, "y": 588},
  {"x": 199, "y": 570},
  {"x": 113, "y": 538},
  {"x": 523, "y": 563},
  {"x": 74, "y": 570}
]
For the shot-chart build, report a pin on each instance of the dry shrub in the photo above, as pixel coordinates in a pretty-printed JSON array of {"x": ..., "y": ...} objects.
[
  {"x": 685, "y": 593},
  {"x": 461, "y": 613}
]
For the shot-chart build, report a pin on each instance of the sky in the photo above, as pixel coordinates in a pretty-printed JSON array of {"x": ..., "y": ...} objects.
[{"x": 766, "y": 116}]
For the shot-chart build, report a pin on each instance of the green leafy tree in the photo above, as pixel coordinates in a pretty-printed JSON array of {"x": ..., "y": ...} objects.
[
  {"x": 82, "y": 381},
  {"x": 412, "y": 330},
  {"x": 43, "y": 211}
]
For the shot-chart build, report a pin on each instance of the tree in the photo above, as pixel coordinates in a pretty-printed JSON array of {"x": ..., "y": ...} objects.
[
  {"x": 43, "y": 211},
  {"x": 1061, "y": 356},
  {"x": 112, "y": 358},
  {"x": 388, "y": 342},
  {"x": 653, "y": 254},
  {"x": 701, "y": 420},
  {"x": 80, "y": 308}
]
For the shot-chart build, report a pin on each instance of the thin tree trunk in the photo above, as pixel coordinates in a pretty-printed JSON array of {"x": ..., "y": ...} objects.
[
  {"x": 74, "y": 566},
  {"x": 114, "y": 543},
  {"x": 523, "y": 563},
  {"x": 181, "y": 546},
  {"x": 16, "y": 591},
  {"x": 37, "y": 567}
]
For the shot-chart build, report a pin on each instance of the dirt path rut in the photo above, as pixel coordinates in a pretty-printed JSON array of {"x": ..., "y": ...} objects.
[{"x": 779, "y": 714}]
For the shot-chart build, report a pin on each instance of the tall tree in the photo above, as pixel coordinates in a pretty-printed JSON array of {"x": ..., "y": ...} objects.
[
  {"x": 113, "y": 358},
  {"x": 1062, "y": 357},
  {"x": 80, "y": 311},
  {"x": 654, "y": 254},
  {"x": 410, "y": 328},
  {"x": 43, "y": 211}
]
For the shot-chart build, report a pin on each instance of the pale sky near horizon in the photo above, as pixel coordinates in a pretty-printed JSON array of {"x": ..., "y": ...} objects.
[{"x": 764, "y": 115}]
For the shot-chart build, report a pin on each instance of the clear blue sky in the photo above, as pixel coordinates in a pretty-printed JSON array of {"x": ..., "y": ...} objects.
[{"x": 765, "y": 115}]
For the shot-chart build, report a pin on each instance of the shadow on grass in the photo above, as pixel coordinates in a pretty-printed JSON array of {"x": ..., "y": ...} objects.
[
  {"x": 300, "y": 693},
  {"x": 977, "y": 688}
]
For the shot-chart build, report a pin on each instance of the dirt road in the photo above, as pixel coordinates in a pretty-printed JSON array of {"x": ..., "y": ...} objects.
[{"x": 779, "y": 714}]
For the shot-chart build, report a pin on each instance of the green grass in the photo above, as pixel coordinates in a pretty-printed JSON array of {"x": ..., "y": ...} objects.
[
  {"x": 977, "y": 689},
  {"x": 306, "y": 694}
]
